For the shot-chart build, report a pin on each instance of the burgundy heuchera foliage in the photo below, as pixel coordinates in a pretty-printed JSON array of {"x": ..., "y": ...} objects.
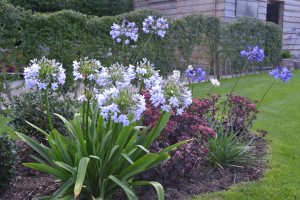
[{"x": 191, "y": 124}]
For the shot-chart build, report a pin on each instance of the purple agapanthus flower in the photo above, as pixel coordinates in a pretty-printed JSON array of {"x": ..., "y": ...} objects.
[
  {"x": 128, "y": 31},
  {"x": 195, "y": 73},
  {"x": 281, "y": 73},
  {"x": 158, "y": 26},
  {"x": 253, "y": 54},
  {"x": 294, "y": 29},
  {"x": 290, "y": 37},
  {"x": 298, "y": 34}
]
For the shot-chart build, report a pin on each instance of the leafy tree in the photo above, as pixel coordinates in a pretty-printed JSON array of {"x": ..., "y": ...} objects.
[
  {"x": 248, "y": 11},
  {"x": 89, "y": 7}
]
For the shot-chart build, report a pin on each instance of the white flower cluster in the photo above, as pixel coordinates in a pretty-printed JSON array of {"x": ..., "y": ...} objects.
[
  {"x": 158, "y": 27},
  {"x": 116, "y": 75},
  {"x": 86, "y": 69},
  {"x": 146, "y": 71},
  {"x": 128, "y": 31},
  {"x": 215, "y": 82},
  {"x": 171, "y": 94},
  {"x": 120, "y": 102},
  {"x": 176, "y": 74},
  {"x": 43, "y": 72}
]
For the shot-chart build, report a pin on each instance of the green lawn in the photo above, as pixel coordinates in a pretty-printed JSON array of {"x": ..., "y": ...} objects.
[
  {"x": 280, "y": 115},
  {"x": 3, "y": 124}
]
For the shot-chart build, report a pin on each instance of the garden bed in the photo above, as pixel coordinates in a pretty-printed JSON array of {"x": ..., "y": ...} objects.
[{"x": 32, "y": 183}]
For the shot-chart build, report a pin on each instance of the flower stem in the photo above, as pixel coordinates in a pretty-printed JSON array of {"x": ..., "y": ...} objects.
[
  {"x": 48, "y": 112},
  {"x": 258, "y": 106},
  {"x": 142, "y": 49},
  {"x": 232, "y": 90},
  {"x": 141, "y": 86},
  {"x": 87, "y": 127},
  {"x": 83, "y": 117}
]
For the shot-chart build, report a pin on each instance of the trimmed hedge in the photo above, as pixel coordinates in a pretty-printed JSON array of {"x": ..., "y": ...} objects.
[{"x": 68, "y": 35}]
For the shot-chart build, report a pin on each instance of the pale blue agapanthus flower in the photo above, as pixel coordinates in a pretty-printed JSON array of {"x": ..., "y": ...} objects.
[
  {"x": 171, "y": 93},
  {"x": 294, "y": 29},
  {"x": 253, "y": 53},
  {"x": 128, "y": 31},
  {"x": 195, "y": 73},
  {"x": 44, "y": 72},
  {"x": 151, "y": 25},
  {"x": 117, "y": 103},
  {"x": 281, "y": 73}
]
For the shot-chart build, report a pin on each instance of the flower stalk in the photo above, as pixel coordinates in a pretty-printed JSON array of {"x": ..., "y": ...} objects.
[{"x": 48, "y": 111}]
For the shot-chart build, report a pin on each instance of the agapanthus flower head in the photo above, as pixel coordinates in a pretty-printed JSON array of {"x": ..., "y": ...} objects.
[
  {"x": 44, "y": 73},
  {"x": 195, "y": 73},
  {"x": 176, "y": 74},
  {"x": 290, "y": 37},
  {"x": 86, "y": 68},
  {"x": 146, "y": 71},
  {"x": 281, "y": 73},
  {"x": 171, "y": 94},
  {"x": 124, "y": 32},
  {"x": 253, "y": 53},
  {"x": 215, "y": 82},
  {"x": 151, "y": 25},
  {"x": 294, "y": 29},
  {"x": 115, "y": 75},
  {"x": 298, "y": 34},
  {"x": 118, "y": 103}
]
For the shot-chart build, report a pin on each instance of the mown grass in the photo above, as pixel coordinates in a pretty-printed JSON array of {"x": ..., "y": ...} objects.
[
  {"x": 280, "y": 115},
  {"x": 3, "y": 124}
]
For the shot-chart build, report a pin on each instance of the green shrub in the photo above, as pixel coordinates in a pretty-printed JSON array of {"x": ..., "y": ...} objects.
[
  {"x": 31, "y": 107},
  {"x": 8, "y": 158},
  {"x": 228, "y": 149}
]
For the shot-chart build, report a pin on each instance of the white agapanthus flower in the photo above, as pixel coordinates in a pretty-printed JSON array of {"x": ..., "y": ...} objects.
[
  {"x": 146, "y": 71},
  {"x": 190, "y": 67},
  {"x": 44, "y": 72},
  {"x": 86, "y": 69},
  {"x": 176, "y": 74},
  {"x": 171, "y": 93},
  {"x": 215, "y": 82},
  {"x": 115, "y": 75},
  {"x": 120, "y": 102}
]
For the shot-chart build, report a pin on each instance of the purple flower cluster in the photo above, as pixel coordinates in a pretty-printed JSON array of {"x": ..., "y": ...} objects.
[
  {"x": 253, "y": 54},
  {"x": 281, "y": 73},
  {"x": 195, "y": 73},
  {"x": 129, "y": 31},
  {"x": 158, "y": 26},
  {"x": 294, "y": 29}
]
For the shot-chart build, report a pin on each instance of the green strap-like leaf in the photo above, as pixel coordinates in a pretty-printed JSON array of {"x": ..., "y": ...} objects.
[
  {"x": 36, "y": 146},
  {"x": 172, "y": 147},
  {"x": 158, "y": 187},
  {"x": 46, "y": 134},
  {"x": 80, "y": 175},
  {"x": 67, "y": 167},
  {"x": 122, "y": 185},
  {"x": 45, "y": 168},
  {"x": 63, "y": 188}
]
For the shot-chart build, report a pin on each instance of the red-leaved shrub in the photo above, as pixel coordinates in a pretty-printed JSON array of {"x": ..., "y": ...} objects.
[
  {"x": 239, "y": 111},
  {"x": 191, "y": 124}
]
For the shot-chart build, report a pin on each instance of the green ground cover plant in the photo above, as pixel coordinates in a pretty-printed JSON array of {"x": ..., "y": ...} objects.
[
  {"x": 4, "y": 118},
  {"x": 279, "y": 114}
]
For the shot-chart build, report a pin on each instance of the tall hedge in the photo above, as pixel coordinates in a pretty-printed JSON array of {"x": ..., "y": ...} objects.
[{"x": 68, "y": 35}]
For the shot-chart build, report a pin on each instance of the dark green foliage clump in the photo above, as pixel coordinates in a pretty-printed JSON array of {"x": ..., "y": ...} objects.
[
  {"x": 8, "y": 158},
  {"x": 31, "y": 107}
]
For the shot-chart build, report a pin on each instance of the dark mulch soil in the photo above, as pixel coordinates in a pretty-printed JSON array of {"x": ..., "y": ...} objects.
[
  {"x": 29, "y": 183},
  {"x": 187, "y": 187},
  {"x": 32, "y": 183}
]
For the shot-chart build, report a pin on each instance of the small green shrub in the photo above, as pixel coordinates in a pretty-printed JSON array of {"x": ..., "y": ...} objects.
[
  {"x": 8, "y": 158},
  {"x": 228, "y": 149},
  {"x": 31, "y": 107},
  {"x": 286, "y": 54}
]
